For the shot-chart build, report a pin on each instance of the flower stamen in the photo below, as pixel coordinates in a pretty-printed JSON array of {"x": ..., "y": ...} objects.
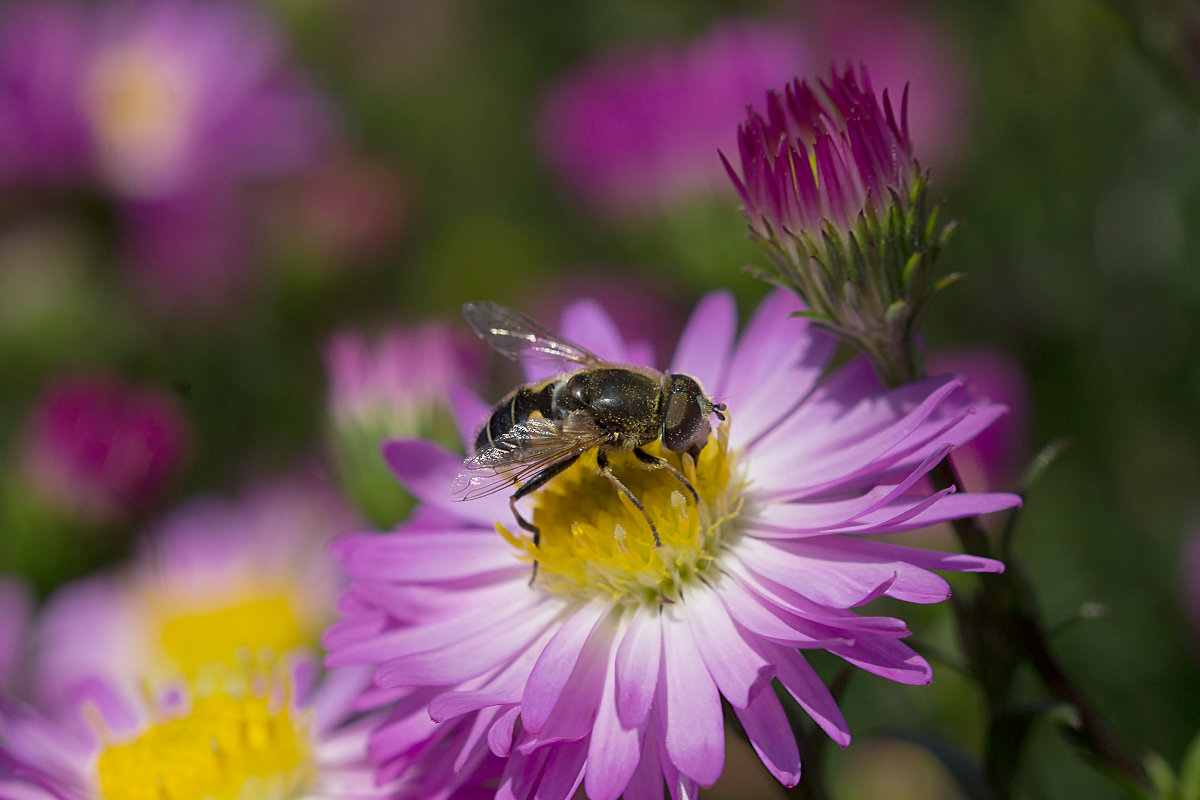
[{"x": 596, "y": 542}]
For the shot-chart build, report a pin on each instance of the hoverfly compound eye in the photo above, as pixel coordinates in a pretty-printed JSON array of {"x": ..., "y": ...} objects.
[{"x": 685, "y": 423}]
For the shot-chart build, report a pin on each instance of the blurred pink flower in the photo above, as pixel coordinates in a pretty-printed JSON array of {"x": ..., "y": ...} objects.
[
  {"x": 208, "y": 637},
  {"x": 901, "y": 43},
  {"x": 638, "y": 130},
  {"x": 994, "y": 458},
  {"x": 102, "y": 449},
  {"x": 399, "y": 379},
  {"x": 397, "y": 385},
  {"x": 171, "y": 109},
  {"x": 16, "y": 608}
]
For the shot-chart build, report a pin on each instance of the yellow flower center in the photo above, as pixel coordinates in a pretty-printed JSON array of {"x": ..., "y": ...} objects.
[
  {"x": 139, "y": 106},
  {"x": 594, "y": 541},
  {"x": 233, "y": 744},
  {"x": 193, "y": 634}
]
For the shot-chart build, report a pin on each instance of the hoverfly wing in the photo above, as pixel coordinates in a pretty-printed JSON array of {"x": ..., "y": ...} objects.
[
  {"x": 518, "y": 337},
  {"x": 524, "y": 451}
]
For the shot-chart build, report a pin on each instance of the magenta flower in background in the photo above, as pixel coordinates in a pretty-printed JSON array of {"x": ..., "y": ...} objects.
[
  {"x": 16, "y": 608},
  {"x": 994, "y": 458},
  {"x": 609, "y": 671},
  {"x": 100, "y": 449},
  {"x": 44, "y": 138},
  {"x": 636, "y": 131},
  {"x": 172, "y": 109},
  {"x": 216, "y": 582},
  {"x": 904, "y": 46}
]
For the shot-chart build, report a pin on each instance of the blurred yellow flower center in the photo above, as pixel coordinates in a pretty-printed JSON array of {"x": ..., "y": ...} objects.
[
  {"x": 594, "y": 542},
  {"x": 139, "y": 106},
  {"x": 227, "y": 628},
  {"x": 230, "y": 746}
]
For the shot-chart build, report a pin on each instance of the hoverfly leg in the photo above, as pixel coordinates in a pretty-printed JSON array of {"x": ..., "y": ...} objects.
[
  {"x": 655, "y": 462},
  {"x": 533, "y": 484},
  {"x": 606, "y": 471}
]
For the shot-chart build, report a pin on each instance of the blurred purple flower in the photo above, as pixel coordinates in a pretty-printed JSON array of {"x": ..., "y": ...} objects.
[
  {"x": 170, "y": 108},
  {"x": 44, "y": 136},
  {"x": 189, "y": 253},
  {"x": 400, "y": 379},
  {"x": 16, "y": 608},
  {"x": 103, "y": 450},
  {"x": 217, "y": 582},
  {"x": 248, "y": 732},
  {"x": 994, "y": 458},
  {"x": 636, "y": 131},
  {"x": 609, "y": 671},
  {"x": 904, "y": 46},
  {"x": 398, "y": 385}
]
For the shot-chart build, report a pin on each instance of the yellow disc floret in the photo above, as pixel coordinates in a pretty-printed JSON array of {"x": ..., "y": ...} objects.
[
  {"x": 235, "y": 743},
  {"x": 594, "y": 541},
  {"x": 224, "y": 628}
]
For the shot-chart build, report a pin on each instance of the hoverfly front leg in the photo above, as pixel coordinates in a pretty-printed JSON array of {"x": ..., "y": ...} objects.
[
  {"x": 655, "y": 462},
  {"x": 606, "y": 471}
]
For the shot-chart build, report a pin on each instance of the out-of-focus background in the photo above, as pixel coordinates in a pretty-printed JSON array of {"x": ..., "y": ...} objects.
[{"x": 194, "y": 198}]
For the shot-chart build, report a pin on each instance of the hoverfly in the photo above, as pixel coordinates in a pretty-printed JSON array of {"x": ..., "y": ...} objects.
[{"x": 541, "y": 428}]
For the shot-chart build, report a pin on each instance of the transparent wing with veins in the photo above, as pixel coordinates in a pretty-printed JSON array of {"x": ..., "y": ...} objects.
[
  {"x": 524, "y": 451},
  {"x": 516, "y": 336}
]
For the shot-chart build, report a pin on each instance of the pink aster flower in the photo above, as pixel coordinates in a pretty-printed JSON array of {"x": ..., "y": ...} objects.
[
  {"x": 831, "y": 188},
  {"x": 637, "y": 131},
  {"x": 100, "y": 449},
  {"x": 609, "y": 671},
  {"x": 251, "y": 732},
  {"x": 217, "y": 582},
  {"x": 822, "y": 155},
  {"x": 394, "y": 386}
]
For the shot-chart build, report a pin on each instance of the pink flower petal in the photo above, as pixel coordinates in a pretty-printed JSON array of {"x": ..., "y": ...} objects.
[
  {"x": 703, "y": 349},
  {"x": 695, "y": 734},
  {"x": 427, "y": 470},
  {"x": 771, "y": 736},
  {"x": 470, "y": 412},
  {"x": 638, "y": 656},
  {"x": 887, "y": 658},
  {"x": 585, "y": 322},
  {"x": 556, "y": 663},
  {"x": 803, "y": 684},
  {"x": 613, "y": 749},
  {"x": 426, "y": 557},
  {"x": 467, "y": 658},
  {"x": 739, "y": 672}
]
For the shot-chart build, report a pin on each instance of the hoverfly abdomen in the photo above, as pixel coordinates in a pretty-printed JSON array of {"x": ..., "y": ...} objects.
[{"x": 513, "y": 411}]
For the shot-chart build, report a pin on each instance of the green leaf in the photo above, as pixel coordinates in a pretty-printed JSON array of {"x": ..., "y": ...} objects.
[
  {"x": 1189, "y": 772},
  {"x": 1162, "y": 778}
]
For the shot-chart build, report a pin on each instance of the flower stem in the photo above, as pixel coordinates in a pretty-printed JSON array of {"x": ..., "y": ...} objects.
[{"x": 1000, "y": 628}]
